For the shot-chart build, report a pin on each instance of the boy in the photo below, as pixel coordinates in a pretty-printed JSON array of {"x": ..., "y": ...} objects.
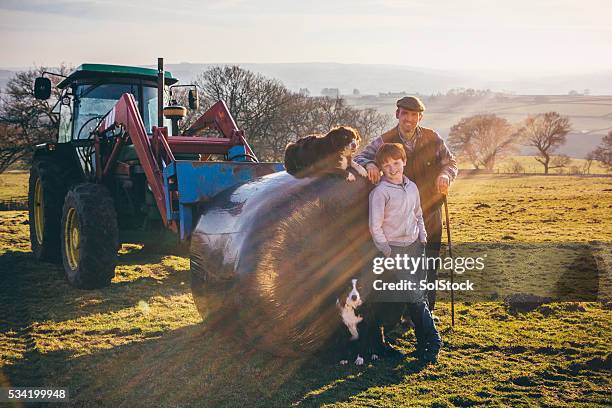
[{"x": 397, "y": 228}]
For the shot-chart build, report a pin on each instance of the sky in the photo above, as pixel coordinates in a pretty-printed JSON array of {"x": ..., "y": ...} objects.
[{"x": 527, "y": 36}]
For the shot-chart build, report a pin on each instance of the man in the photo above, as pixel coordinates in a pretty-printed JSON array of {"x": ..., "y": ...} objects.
[{"x": 430, "y": 165}]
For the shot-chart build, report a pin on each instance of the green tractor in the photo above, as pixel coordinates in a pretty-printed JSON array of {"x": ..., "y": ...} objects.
[{"x": 119, "y": 164}]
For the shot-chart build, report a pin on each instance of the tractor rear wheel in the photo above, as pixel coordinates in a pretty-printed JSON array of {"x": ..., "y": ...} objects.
[
  {"x": 89, "y": 236},
  {"x": 45, "y": 199}
]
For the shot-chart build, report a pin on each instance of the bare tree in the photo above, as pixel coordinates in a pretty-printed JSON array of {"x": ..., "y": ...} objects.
[
  {"x": 372, "y": 123},
  {"x": 273, "y": 116},
  {"x": 330, "y": 112},
  {"x": 24, "y": 120},
  {"x": 603, "y": 152},
  {"x": 588, "y": 162},
  {"x": 253, "y": 99},
  {"x": 514, "y": 166},
  {"x": 322, "y": 113},
  {"x": 546, "y": 132},
  {"x": 298, "y": 117},
  {"x": 560, "y": 162},
  {"x": 482, "y": 139},
  {"x": 302, "y": 115},
  {"x": 230, "y": 84},
  {"x": 10, "y": 151}
]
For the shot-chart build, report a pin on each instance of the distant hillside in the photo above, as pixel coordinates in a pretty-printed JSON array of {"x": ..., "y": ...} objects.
[
  {"x": 373, "y": 79},
  {"x": 346, "y": 77}
]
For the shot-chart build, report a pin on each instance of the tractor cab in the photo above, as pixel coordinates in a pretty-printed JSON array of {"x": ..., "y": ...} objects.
[{"x": 92, "y": 90}]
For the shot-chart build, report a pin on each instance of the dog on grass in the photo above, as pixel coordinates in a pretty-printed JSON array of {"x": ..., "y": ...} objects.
[
  {"x": 325, "y": 154},
  {"x": 360, "y": 337}
]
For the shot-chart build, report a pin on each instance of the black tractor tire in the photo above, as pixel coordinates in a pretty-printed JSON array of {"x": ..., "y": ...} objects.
[
  {"x": 45, "y": 209},
  {"x": 89, "y": 254}
]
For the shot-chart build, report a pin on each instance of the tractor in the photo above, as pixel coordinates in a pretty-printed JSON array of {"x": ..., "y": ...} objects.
[{"x": 121, "y": 164}]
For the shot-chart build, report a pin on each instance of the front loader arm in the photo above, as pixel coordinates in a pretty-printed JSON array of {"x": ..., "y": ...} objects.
[
  {"x": 179, "y": 186},
  {"x": 151, "y": 152},
  {"x": 220, "y": 118}
]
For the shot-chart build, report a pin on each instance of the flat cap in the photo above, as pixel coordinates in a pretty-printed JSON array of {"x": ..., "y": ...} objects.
[{"x": 411, "y": 103}]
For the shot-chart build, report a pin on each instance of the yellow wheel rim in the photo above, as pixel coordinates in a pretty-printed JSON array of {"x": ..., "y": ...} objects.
[
  {"x": 39, "y": 213},
  {"x": 72, "y": 238}
]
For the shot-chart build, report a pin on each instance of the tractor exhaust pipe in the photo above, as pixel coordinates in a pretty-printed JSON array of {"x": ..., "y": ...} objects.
[{"x": 160, "y": 92}]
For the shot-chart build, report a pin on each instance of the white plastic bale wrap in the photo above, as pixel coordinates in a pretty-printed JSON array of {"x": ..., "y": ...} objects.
[{"x": 269, "y": 257}]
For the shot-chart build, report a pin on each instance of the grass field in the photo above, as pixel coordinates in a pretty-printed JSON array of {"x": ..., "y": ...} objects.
[
  {"x": 14, "y": 185},
  {"x": 529, "y": 165},
  {"x": 140, "y": 342}
]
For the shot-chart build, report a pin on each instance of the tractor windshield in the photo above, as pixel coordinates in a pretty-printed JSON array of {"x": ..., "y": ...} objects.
[
  {"x": 149, "y": 108},
  {"x": 93, "y": 101}
]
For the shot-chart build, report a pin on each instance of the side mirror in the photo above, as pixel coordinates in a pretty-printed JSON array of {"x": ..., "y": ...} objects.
[
  {"x": 42, "y": 88},
  {"x": 193, "y": 99}
]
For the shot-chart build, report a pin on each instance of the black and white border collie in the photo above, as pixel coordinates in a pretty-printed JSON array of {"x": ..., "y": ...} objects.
[{"x": 360, "y": 337}]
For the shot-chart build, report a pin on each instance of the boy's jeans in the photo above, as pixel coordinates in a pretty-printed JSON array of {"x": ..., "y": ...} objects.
[
  {"x": 428, "y": 338},
  {"x": 415, "y": 251}
]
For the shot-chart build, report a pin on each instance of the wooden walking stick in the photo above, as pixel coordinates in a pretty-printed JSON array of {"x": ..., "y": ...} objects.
[{"x": 450, "y": 254}]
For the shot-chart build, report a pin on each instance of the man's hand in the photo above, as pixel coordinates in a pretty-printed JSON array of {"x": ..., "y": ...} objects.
[
  {"x": 373, "y": 173},
  {"x": 442, "y": 184}
]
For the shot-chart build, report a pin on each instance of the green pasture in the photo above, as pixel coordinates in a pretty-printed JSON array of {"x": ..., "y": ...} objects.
[{"x": 140, "y": 342}]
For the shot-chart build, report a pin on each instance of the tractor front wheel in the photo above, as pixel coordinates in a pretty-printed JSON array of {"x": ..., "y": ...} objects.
[{"x": 89, "y": 236}]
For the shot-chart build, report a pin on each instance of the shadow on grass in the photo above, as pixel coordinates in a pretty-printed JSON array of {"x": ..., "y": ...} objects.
[
  {"x": 193, "y": 366},
  {"x": 41, "y": 290},
  {"x": 561, "y": 271},
  {"x": 150, "y": 251}
]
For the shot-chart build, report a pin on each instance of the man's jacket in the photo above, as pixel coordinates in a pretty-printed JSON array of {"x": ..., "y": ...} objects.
[{"x": 427, "y": 158}]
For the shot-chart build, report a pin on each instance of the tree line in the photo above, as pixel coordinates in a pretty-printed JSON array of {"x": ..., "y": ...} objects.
[
  {"x": 270, "y": 114},
  {"x": 24, "y": 120},
  {"x": 485, "y": 139}
]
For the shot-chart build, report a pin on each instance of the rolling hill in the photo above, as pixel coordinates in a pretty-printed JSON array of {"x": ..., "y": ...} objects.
[{"x": 591, "y": 116}]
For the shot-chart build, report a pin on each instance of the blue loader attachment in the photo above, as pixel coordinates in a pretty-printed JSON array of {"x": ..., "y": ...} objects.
[{"x": 196, "y": 182}]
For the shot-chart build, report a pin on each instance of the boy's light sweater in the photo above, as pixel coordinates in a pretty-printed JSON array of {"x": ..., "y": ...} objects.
[{"x": 396, "y": 218}]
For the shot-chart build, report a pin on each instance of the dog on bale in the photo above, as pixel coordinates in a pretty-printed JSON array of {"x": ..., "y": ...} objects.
[{"x": 331, "y": 153}]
